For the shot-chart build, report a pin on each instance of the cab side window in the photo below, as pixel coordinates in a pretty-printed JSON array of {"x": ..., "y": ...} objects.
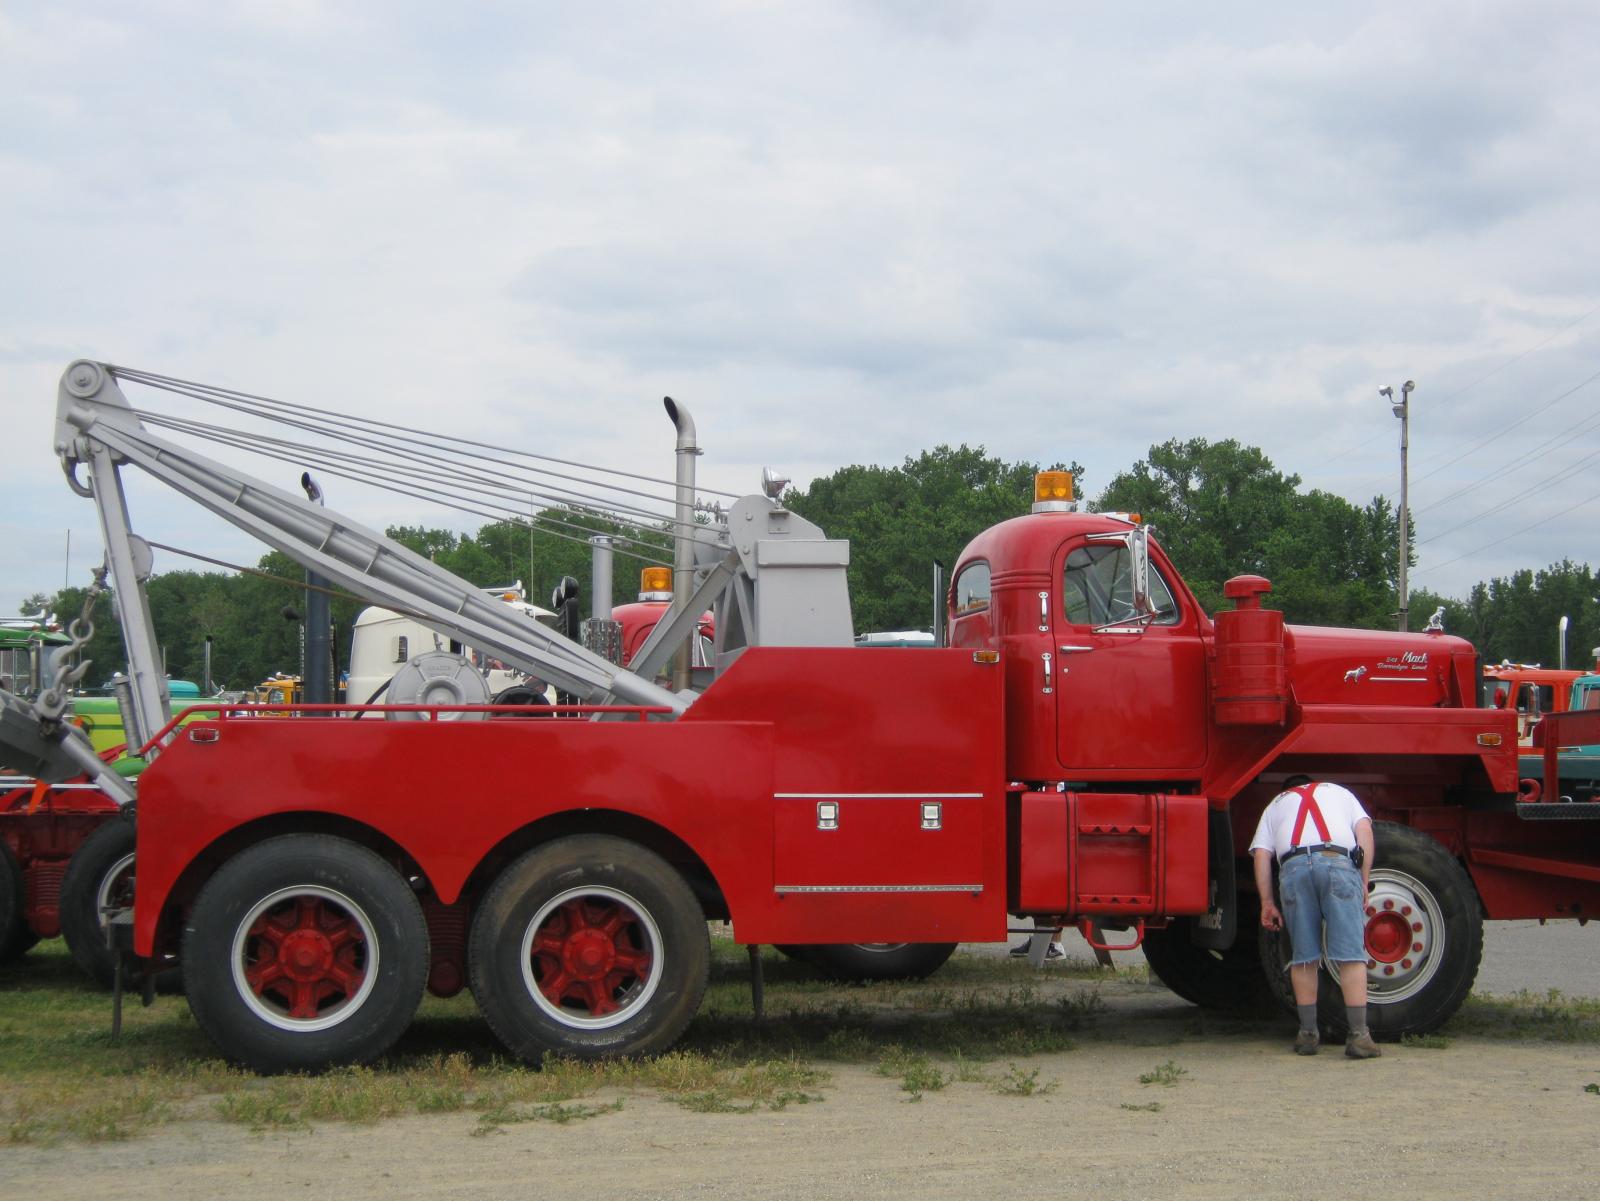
[
  {"x": 1097, "y": 588},
  {"x": 971, "y": 589}
]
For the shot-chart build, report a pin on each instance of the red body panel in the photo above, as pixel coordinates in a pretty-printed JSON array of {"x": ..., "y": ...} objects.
[
  {"x": 43, "y": 837},
  {"x": 778, "y": 728}
]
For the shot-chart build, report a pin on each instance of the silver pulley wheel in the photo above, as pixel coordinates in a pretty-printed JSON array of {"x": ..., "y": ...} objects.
[{"x": 438, "y": 678}]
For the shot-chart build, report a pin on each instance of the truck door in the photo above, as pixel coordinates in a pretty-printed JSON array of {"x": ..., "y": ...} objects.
[{"x": 1130, "y": 693}]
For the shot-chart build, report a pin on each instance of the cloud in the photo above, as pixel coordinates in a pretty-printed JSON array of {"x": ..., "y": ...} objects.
[{"x": 839, "y": 233}]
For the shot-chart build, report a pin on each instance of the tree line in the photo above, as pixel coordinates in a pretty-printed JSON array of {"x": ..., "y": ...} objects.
[{"x": 1219, "y": 509}]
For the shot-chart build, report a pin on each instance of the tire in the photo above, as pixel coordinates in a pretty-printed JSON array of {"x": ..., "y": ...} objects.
[
  {"x": 1230, "y": 979},
  {"x": 858, "y": 961},
  {"x": 304, "y": 952},
  {"x": 100, "y": 872},
  {"x": 16, "y": 937},
  {"x": 523, "y": 694},
  {"x": 1415, "y": 882},
  {"x": 590, "y": 946}
]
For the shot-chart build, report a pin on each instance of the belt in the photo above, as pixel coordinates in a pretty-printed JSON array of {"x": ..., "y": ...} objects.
[{"x": 1318, "y": 848}]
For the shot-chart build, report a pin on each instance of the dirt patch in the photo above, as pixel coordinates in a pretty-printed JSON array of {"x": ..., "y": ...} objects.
[{"x": 1239, "y": 1116}]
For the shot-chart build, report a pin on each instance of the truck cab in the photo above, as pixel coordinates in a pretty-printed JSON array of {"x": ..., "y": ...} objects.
[{"x": 1096, "y": 658}]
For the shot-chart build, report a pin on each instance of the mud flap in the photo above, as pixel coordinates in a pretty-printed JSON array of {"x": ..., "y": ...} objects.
[{"x": 1218, "y": 926}]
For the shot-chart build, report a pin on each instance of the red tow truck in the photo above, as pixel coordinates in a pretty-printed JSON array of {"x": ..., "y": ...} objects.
[{"x": 1091, "y": 748}]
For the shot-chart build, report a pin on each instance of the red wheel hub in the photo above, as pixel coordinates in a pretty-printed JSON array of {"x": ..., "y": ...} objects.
[
  {"x": 588, "y": 953},
  {"x": 304, "y": 955},
  {"x": 1388, "y": 936}
]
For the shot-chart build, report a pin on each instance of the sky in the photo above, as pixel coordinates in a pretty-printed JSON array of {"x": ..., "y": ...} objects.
[{"x": 837, "y": 233}]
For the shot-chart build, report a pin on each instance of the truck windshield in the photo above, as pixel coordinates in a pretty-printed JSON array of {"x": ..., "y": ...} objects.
[{"x": 1098, "y": 587}]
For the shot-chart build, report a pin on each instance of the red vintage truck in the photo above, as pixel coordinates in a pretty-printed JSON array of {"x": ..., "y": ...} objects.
[{"x": 1090, "y": 747}]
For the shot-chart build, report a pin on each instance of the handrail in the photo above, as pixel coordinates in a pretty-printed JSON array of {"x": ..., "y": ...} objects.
[{"x": 225, "y": 711}]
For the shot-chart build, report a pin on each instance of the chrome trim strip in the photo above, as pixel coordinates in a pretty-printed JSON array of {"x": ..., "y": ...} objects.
[
  {"x": 877, "y": 796},
  {"x": 1398, "y": 679},
  {"x": 877, "y": 888},
  {"x": 9, "y": 782}
]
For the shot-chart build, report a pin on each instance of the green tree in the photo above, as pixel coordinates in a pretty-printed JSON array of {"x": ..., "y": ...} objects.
[
  {"x": 900, "y": 519},
  {"x": 1222, "y": 509}
]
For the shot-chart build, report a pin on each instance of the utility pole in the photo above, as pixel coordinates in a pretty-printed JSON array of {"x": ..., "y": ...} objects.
[{"x": 1402, "y": 410}]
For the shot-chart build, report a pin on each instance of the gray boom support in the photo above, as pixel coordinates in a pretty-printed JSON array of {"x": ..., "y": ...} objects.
[{"x": 96, "y": 425}]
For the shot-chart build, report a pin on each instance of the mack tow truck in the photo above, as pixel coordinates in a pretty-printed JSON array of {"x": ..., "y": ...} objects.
[{"x": 1090, "y": 748}]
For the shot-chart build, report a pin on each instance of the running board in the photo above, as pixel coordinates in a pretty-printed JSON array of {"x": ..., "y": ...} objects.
[{"x": 1559, "y": 811}]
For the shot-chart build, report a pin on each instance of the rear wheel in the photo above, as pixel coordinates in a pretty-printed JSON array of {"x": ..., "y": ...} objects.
[
  {"x": 857, "y": 961},
  {"x": 589, "y": 946},
  {"x": 304, "y": 952},
  {"x": 1212, "y": 979},
  {"x": 15, "y": 935}
]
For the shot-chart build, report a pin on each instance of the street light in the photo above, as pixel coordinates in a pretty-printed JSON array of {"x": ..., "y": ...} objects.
[{"x": 1402, "y": 410}]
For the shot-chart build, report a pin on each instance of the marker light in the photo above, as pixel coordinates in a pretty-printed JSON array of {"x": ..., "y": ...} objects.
[
  {"x": 655, "y": 579},
  {"x": 1052, "y": 485},
  {"x": 1052, "y": 492}
]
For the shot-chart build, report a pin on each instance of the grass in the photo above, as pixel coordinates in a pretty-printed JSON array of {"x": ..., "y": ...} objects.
[
  {"x": 1548, "y": 1016},
  {"x": 1167, "y": 1075},
  {"x": 976, "y": 1023},
  {"x": 62, "y": 1077}
]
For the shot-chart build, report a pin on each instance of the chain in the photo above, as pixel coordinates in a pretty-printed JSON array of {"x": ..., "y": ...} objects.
[{"x": 53, "y": 701}]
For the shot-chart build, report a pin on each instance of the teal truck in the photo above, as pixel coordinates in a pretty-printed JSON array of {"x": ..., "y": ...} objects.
[{"x": 1577, "y": 754}]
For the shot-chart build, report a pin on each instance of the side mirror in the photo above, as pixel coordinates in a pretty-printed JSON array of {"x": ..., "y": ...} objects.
[{"x": 1139, "y": 548}]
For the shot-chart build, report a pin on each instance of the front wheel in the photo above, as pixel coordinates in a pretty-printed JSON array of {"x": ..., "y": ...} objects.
[
  {"x": 1423, "y": 937},
  {"x": 590, "y": 946},
  {"x": 859, "y": 961},
  {"x": 1228, "y": 979},
  {"x": 303, "y": 952}
]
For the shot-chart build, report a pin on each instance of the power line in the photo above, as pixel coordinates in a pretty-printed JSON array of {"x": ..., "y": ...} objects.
[
  {"x": 1523, "y": 420},
  {"x": 1509, "y": 537}
]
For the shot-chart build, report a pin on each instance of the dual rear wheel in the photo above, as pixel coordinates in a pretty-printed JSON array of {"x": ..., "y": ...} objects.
[{"x": 309, "y": 951}]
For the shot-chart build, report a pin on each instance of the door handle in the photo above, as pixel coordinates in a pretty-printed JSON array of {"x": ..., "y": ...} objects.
[
  {"x": 1075, "y": 650},
  {"x": 1049, "y": 679}
]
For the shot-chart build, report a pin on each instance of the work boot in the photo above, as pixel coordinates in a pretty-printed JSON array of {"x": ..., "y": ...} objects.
[
  {"x": 1361, "y": 1046},
  {"x": 1306, "y": 1042}
]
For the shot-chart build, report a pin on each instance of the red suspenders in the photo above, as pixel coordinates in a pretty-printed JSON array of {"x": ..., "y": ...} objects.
[{"x": 1308, "y": 808}]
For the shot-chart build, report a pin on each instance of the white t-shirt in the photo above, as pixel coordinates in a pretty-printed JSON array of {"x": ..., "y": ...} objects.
[{"x": 1340, "y": 812}]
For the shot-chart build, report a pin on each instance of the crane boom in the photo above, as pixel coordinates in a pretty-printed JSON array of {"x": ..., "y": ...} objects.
[{"x": 95, "y": 425}]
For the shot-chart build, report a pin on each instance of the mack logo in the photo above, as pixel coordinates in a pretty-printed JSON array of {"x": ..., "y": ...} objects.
[
  {"x": 1420, "y": 658},
  {"x": 1354, "y": 675}
]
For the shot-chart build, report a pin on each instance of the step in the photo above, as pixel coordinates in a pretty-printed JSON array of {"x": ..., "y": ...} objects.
[{"x": 1559, "y": 811}]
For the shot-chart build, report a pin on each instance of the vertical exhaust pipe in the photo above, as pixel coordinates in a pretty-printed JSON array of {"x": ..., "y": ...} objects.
[{"x": 682, "y": 544}]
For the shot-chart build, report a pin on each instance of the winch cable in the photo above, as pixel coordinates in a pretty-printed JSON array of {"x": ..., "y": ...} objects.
[
  {"x": 640, "y": 535},
  {"x": 430, "y": 465},
  {"x": 624, "y": 513},
  {"x": 218, "y": 395},
  {"x": 348, "y": 432},
  {"x": 452, "y": 501}
]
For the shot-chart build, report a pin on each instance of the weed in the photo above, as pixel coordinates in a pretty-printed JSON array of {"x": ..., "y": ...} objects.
[
  {"x": 1167, "y": 1074},
  {"x": 1592, "y": 1088},
  {"x": 1152, "y": 1107},
  {"x": 495, "y": 1120},
  {"x": 1548, "y": 1016},
  {"x": 1017, "y": 1083},
  {"x": 1426, "y": 1042},
  {"x": 917, "y": 1073},
  {"x": 1080, "y": 1009}
]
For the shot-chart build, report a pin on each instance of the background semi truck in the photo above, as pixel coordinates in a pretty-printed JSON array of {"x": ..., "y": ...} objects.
[{"x": 1089, "y": 748}]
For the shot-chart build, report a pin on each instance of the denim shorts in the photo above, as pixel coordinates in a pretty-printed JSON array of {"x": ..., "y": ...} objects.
[{"x": 1323, "y": 890}]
